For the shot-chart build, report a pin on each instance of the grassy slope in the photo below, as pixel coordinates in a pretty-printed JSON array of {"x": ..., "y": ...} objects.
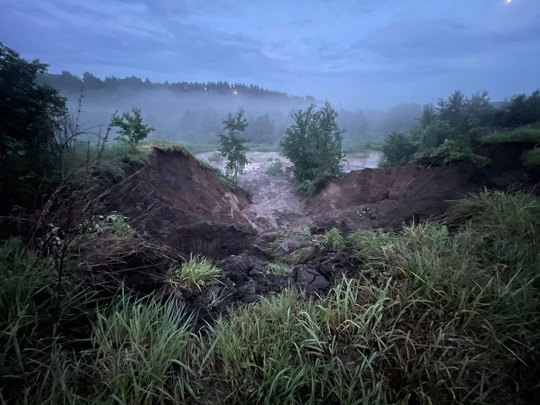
[{"x": 435, "y": 315}]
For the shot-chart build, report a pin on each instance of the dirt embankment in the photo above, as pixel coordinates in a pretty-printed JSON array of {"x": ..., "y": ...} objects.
[
  {"x": 422, "y": 189},
  {"x": 182, "y": 203}
]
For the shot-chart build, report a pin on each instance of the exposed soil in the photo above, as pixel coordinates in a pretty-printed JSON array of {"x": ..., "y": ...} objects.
[
  {"x": 180, "y": 202},
  {"x": 275, "y": 202}
]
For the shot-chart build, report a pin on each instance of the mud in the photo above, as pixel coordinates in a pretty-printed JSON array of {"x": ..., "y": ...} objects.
[{"x": 177, "y": 201}]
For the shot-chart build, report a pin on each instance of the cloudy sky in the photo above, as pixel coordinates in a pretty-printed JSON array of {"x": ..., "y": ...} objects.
[{"x": 354, "y": 53}]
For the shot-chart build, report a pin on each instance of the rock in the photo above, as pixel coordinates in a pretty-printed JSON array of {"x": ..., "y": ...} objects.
[
  {"x": 289, "y": 246},
  {"x": 309, "y": 279}
]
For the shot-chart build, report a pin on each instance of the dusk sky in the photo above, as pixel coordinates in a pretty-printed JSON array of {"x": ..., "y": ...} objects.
[{"x": 354, "y": 53}]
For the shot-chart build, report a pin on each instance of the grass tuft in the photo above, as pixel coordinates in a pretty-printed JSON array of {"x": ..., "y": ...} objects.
[{"x": 196, "y": 272}]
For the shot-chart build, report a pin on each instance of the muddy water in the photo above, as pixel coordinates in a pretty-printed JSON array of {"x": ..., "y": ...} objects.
[{"x": 275, "y": 202}]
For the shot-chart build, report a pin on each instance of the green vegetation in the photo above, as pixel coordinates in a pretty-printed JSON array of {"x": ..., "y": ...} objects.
[
  {"x": 196, "y": 272},
  {"x": 532, "y": 157},
  {"x": 455, "y": 303},
  {"x": 304, "y": 246},
  {"x": 525, "y": 134},
  {"x": 233, "y": 146},
  {"x": 313, "y": 143},
  {"x": 30, "y": 140},
  {"x": 453, "y": 128},
  {"x": 132, "y": 130},
  {"x": 333, "y": 239},
  {"x": 276, "y": 169}
]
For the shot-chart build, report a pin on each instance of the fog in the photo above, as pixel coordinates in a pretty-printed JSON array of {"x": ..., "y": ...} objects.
[{"x": 181, "y": 114}]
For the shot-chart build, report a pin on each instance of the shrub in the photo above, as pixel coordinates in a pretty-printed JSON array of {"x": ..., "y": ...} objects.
[
  {"x": 276, "y": 169},
  {"x": 333, "y": 239},
  {"x": 196, "y": 272},
  {"x": 397, "y": 149}
]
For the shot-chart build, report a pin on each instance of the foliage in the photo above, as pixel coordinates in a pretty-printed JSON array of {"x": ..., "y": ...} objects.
[
  {"x": 517, "y": 135},
  {"x": 305, "y": 245},
  {"x": 454, "y": 126},
  {"x": 454, "y": 151},
  {"x": 306, "y": 188},
  {"x": 520, "y": 110},
  {"x": 143, "y": 352},
  {"x": 132, "y": 130},
  {"x": 196, "y": 272},
  {"x": 276, "y": 169},
  {"x": 313, "y": 143},
  {"x": 455, "y": 303},
  {"x": 279, "y": 269},
  {"x": 334, "y": 240},
  {"x": 31, "y": 114},
  {"x": 261, "y": 130},
  {"x": 233, "y": 146},
  {"x": 397, "y": 149},
  {"x": 41, "y": 312},
  {"x": 532, "y": 157}
]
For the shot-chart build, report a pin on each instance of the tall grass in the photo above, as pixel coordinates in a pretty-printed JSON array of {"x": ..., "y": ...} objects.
[
  {"x": 440, "y": 313},
  {"x": 144, "y": 352}
]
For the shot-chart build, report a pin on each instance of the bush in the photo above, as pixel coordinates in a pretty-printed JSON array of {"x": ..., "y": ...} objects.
[
  {"x": 333, "y": 239},
  {"x": 276, "y": 169},
  {"x": 397, "y": 149}
]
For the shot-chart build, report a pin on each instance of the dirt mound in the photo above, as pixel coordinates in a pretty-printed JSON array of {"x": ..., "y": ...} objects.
[
  {"x": 182, "y": 203},
  {"x": 422, "y": 189}
]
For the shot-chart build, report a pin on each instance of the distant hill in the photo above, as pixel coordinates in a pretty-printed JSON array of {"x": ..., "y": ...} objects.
[{"x": 68, "y": 83}]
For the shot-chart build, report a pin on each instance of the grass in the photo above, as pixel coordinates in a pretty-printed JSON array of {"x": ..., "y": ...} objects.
[
  {"x": 333, "y": 239},
  {"x": 306, "y": 246},
  {"x": 196, "y": 272},
  {"x": 439, "y": 313},
  {"x": 524, "y": 134},
  {"x": 144, "y": 352}
]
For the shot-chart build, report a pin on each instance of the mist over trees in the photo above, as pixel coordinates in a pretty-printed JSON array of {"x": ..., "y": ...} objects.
[{"x": 193, "y": 112}]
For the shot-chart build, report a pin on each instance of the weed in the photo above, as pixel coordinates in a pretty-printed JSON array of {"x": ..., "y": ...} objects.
[
  {"x": 279, "y": 269},
  {"x": 333, "y": 239},
  {"x": 196, "y": 272}
]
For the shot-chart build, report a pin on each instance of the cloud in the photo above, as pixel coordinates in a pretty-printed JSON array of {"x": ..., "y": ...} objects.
[{"x": 441, "y": 38}]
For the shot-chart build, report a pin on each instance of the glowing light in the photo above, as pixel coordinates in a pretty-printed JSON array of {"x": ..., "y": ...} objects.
[
  {"x": 508, "y": 1},
  {"x": 235, "y": 92}
]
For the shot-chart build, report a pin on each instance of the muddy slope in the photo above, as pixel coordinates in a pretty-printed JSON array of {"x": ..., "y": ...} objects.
[
  {"x": 422, "y": 189},
  {"x": 182, "y": 203}
]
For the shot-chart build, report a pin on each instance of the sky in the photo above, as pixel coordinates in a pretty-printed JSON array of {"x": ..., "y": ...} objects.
[{"x": 353, "y": 53}]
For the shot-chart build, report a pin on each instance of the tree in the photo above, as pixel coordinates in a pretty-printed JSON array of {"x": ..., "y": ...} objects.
[
  {"x": 132, "y": 129},
  {"x": 398, "y": 148},
  {"x": 313, "y": 143},
  {"x": 233, "y": 146},
  {"x": 262, "y": 130},
  {"x": 30, "y": 115}
]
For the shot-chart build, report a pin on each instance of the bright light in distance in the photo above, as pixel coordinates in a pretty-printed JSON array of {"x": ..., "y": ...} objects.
[{"x": 235, "y": 92}]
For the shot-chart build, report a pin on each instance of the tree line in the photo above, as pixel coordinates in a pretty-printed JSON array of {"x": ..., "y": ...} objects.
[
  {"x": 67, "y": 82},
  {"x": 457, "y": 123}
]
